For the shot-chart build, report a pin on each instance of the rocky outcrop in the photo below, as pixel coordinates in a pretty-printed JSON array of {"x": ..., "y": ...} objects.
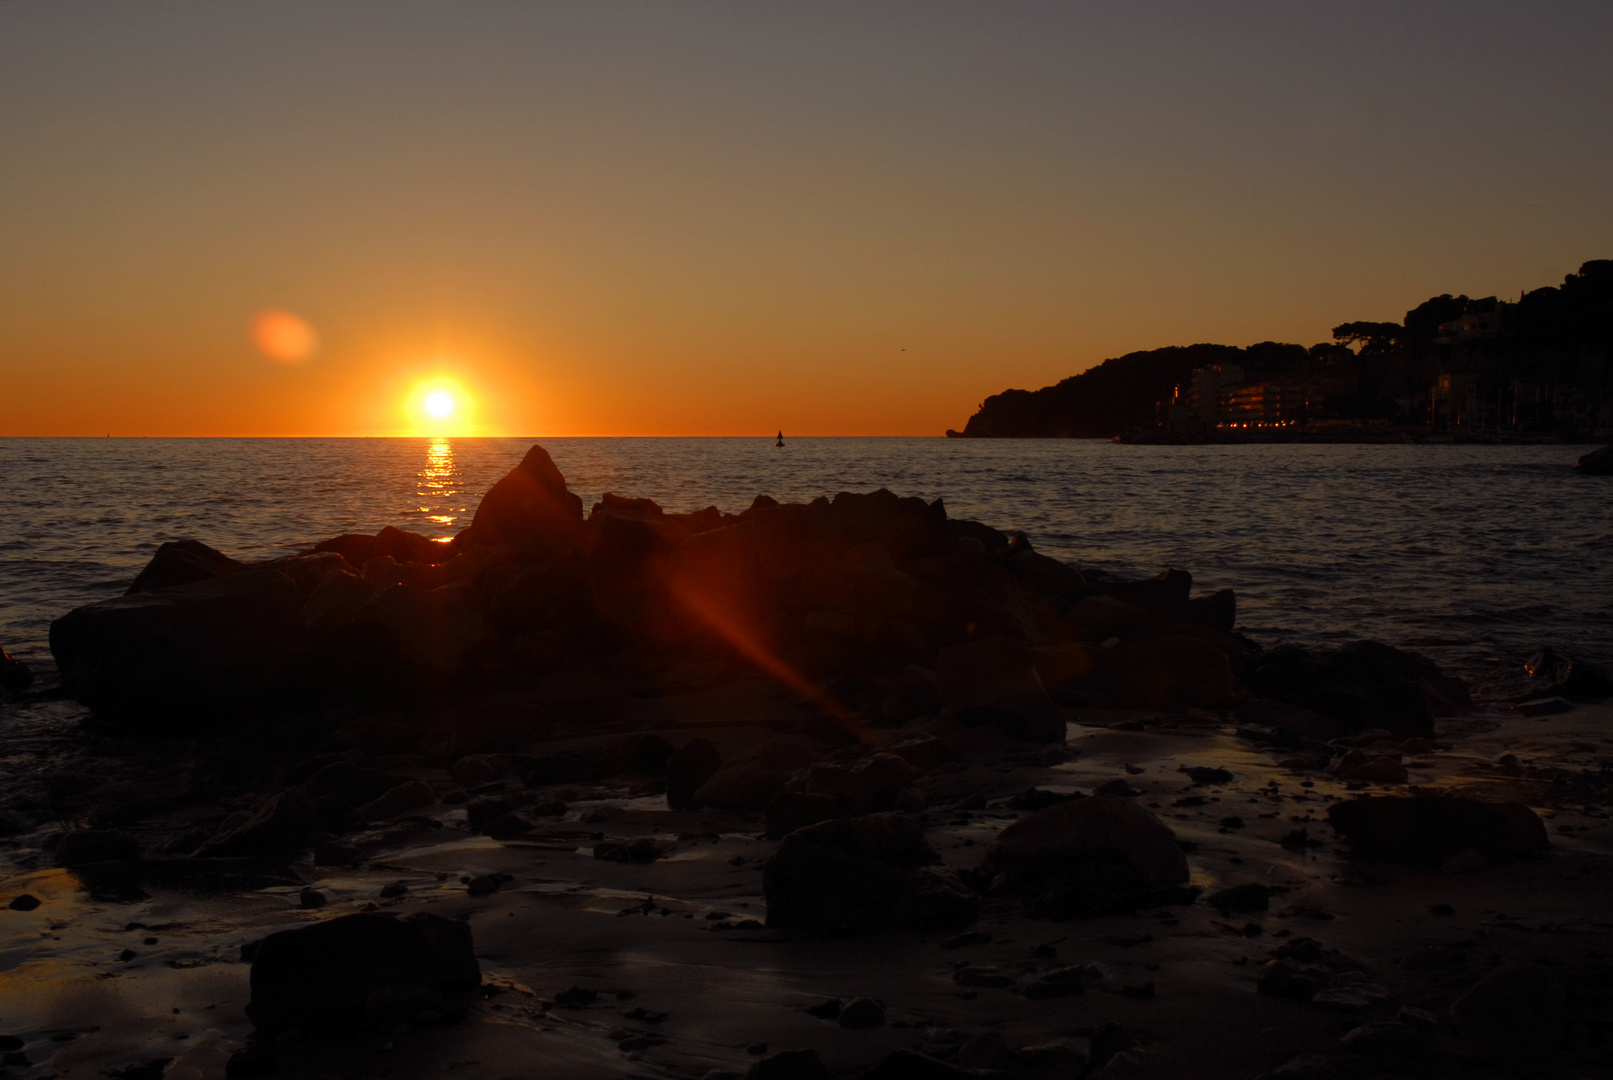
[
  {"x": 863, "y": 875},
  {"x": 362, "y": 969},
  {"x": 1362, "y": 685},
  {"x": 223, "y": 642},
  {"x": 529, "y": 508},
  {"x": 1428, "y": 830},
  {"x": 1596, "y": 463},
  {"x": 14, "y": 674}
]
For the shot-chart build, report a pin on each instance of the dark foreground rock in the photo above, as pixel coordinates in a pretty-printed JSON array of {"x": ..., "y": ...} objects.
[
  {"x": 863, "y": 875},
  {"x": 14, "y": 674},
  {"x": 1596, "y": 463},
  {"x": 1428, "y": 830},
  {"x": 183, "y": 562},
  {"x": 1103, "y": 843},
  {"x": 1365, "y": 684},
  {"x": 209, "y": 644},
  {"x": 360, "y": 969},
  {"x": 1512, "y": 1011}
]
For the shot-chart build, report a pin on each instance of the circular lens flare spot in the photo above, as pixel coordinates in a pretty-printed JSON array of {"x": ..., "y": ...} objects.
[
  {"x": 283, "y": 337},
  {"x": 439, "y": 404}
]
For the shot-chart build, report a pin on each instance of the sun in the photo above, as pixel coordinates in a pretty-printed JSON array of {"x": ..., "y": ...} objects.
[{"x": 439, "y": 404}]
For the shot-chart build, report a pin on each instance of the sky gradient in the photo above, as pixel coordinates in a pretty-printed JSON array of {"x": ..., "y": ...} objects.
[{"x": 689, "y": 219}]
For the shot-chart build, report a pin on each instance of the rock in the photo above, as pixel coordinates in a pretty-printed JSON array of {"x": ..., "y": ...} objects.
[
  {"x": 251, "y": 1062},
  {"x": 912, "y": 1065},
  {"x": 1069, "y": 981},
  {"x": 1596, "y": 463},
  {"x": 750, "y": 779},
  {"x": 311, "y": 898},
  {"x": 95, "y": 845},
  {"x": 1118, "y": 787},
  {"x": 1430, "y": 829},
  {"x": 310, "y": 568},
  {"x": 1172, "y": 673},
  {"x": 1103, "y": 841},
  {"x": 1574, "y": 677},
  {"x": 410, "y": 795},
  {"x": 221, "y": 643},
  {"x": 14, "y": 674},
  {"x": 1109, "y": 1041},
  {"x": 353, "y": 784},
  {"x": 368, "y": 967},
  {"x": 1099, "y": 618},
  {"x": 287, "y": 820},
  {"x": 690, "y": 766},
  {"x": 24, "y": 902},
  {"x": 1218, "y": 611},
  {"x": 863, "y": 875},
  {"x": 418, "y": 636},
  {"x": 863, "y": 1012},
  {"x": 923, "y": 752},
  {"x": 1305, "y": 723},
  {"x": 482, "y": 811},
  {"x": 1365, "y": 684},
  {"x": 1306, "y": 1067},
  {"x": 1250, "y": 897},
  {"x": 789, "y": 1065},
  {"x": 1164, "y": 598},
  {"x": 917, "y": 693},
  {"x": 181, "y": 562},
  {"x": 1373, "y": 768},
  {"x": 337, "y": 598},
  {"x": 530, "y": 507},
  {"x": 1382, "y": 1038},
  {"x": 645, "y": 849},
  {"x": 1296, "y": 982},
  {"x": 1515, "y": 1010},
  {"x": 992, "y": 681}
]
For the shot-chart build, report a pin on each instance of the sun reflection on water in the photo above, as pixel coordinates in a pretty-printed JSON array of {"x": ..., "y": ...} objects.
[{"x": 442, "y": 485}]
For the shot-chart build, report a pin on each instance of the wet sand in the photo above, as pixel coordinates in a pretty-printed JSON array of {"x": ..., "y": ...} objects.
[{"x": 688, "y": 981}]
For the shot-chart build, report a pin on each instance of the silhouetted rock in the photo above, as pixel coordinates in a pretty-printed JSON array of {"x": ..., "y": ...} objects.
[
  {"x": 363, "y": 968},
  {"x": 1164, "y": 598},
  {"x": 863, "y": 1012},
  {"x": 750, "y": 779},
  {"x": 530, "y": 507},
  {"x": 14, "y": 674},
  {"x": 217, "y": 643},
  {"x": 1514, "y": 1010},
  {"x": 789, "y": 1065},
  {"x": 354, "y": 784},
  {"x": 1596, "y": 463},
  {"x": 863, "y": 875},
  {"x": 1103, "y": 843},
  {"x": 690, "y": 766},
  {"x": 417, "y": 636},
  {"x": 336, "y": 599},
  {"x": 1560, "y": 673},
  {"x": 181, "y": 562},
  {"x": 993, "y": 682},
  {"x": 1174, "y": 673},
  {"x": 1430, "y": 829},
  {"x": 912, "y": 1065},
  {"x": 1365, "y": 684}
]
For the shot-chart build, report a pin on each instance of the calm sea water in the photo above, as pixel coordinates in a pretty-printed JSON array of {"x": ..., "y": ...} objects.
[{"x": 1474, "y": 555}]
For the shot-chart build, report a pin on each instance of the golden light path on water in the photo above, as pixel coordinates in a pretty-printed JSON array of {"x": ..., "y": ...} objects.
[{"x": 442, "y": 485}]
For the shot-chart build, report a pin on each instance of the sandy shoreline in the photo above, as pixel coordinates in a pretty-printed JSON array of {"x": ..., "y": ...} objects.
[{"x": 673, "y": 936}]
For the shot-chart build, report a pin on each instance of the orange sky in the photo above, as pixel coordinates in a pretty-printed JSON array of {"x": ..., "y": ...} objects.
[{"x": 712, "y": 219}]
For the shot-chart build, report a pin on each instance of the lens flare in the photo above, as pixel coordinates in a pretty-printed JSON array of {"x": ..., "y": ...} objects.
[{"x": 283, "y": 337}]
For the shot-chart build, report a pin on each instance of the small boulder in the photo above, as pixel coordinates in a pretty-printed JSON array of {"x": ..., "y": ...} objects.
[
  {"x": 1428, "y": 830},
  {"x": 863, "y": 875},
  {"x": 1104, "y": 840},
  {"x": 333, "y": 602},
  {"x": 353, "y": 784},
  {"x": 95, "y": 845},
  {"x": 410, "y": 795},
  {"x": 1596, "y": 463},
  {"x": 362, "y": 968},
  {"x": 863, "y": 1012},
  {"x": 181, "y": 562},
  {"x": 789, "y": 1065}
]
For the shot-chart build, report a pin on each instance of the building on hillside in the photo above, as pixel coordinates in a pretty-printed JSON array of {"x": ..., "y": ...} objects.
[
  {"x": 1197, "y": 403},
  {"x": 1487, "y": 318},
  {"x": 1262, "y": 404}
]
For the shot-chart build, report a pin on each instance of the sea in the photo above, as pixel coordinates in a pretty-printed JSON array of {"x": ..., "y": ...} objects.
[{"x": 1477, "y": 556}]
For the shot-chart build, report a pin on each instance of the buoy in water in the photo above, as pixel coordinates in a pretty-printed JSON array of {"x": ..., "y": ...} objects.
[{"x": 780, "y": 439}]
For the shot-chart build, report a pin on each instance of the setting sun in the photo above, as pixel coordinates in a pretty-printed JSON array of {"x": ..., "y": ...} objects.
[{"x": 440, "y": 404}]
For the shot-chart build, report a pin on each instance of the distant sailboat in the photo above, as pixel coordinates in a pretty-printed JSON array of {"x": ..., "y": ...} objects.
[{"x": 780, "y": 438}]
